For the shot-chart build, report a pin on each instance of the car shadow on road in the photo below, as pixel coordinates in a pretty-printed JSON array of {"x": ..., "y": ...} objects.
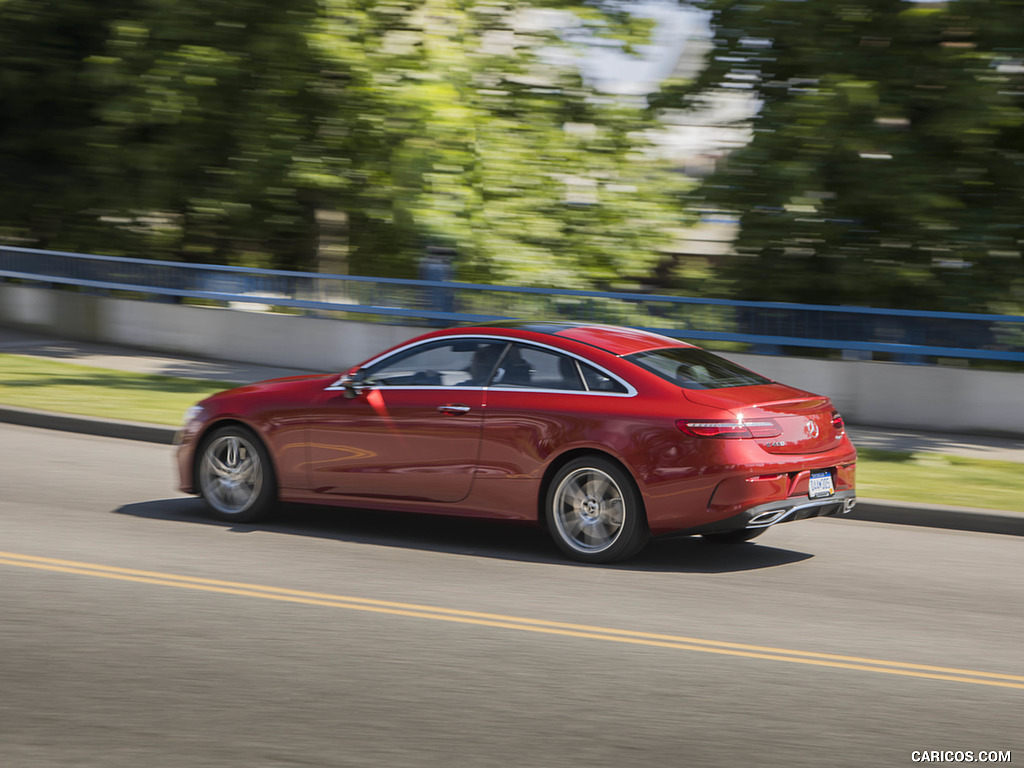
[{"x": 472, "y": 537}]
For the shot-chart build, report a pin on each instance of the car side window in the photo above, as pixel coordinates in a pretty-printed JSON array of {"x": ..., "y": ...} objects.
[
  {"x": 447, "y": 363},
  {"x": 601, "y": 382},
  {"x": 524, "y": 366}
]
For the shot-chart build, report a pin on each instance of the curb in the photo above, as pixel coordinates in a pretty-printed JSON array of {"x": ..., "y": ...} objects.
[
  {"x": 866, "y": 510},
  {"x": 938, "y": 516},
  {"x": 88, "y": 425}
]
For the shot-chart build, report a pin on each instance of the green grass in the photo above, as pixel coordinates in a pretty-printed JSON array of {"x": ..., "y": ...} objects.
[
  {"x": 50, "y": 385},
  {"x": 940, "y": 479},
  {"x": 69, "y": 388}
]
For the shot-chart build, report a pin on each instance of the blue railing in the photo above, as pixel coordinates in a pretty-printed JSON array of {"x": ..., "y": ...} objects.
[{"x": 904, "y": 335}]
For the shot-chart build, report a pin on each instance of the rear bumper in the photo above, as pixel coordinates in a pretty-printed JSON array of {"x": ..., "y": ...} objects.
[
  {"x": 783, "y": 511},
  {"x": 766, "y": 515}
]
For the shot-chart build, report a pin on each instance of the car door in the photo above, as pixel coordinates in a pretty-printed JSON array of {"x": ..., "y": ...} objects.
[
  {"x": 413, "y": 430},
  {"x": 540, "y": 401}
]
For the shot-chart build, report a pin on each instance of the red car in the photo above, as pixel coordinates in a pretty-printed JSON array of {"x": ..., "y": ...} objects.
[{"x": 603, "y": 435}]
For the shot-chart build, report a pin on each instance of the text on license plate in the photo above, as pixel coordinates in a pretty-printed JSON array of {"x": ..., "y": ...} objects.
[{"x": 821, "y": 485}]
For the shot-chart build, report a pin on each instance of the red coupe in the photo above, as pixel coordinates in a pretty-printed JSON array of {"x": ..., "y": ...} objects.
[{"x": 603, "y": 435}]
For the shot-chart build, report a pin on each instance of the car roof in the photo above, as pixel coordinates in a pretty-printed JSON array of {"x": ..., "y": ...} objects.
[{"x": 614, "y": 339}]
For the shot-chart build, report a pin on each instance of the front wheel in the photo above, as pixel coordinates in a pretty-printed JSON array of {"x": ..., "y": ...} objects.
[
  {"x": 236, "y": 478},
  {"x": 594, "y": 512}
]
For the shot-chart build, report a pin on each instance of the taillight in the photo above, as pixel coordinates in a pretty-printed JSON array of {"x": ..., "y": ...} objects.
[
  {"x": 837, "y": 422},
  {"x": 730, "y": 430}
]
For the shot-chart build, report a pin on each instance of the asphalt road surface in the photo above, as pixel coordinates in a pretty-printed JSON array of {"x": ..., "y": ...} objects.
[{"x": 136, "y": 632}]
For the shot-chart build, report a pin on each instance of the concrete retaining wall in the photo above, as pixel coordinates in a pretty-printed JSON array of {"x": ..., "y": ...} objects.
[
  {"x": 916, "y": 397},
  {"x": 289, "y": 341},
  {"x": 932, "y": 398}
]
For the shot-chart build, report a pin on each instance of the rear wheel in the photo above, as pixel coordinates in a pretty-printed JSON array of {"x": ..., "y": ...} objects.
[
  {"x": 236, "y": 478},
  {"x": 734, "y": 537},
  {"x": 594, "y": 512}
]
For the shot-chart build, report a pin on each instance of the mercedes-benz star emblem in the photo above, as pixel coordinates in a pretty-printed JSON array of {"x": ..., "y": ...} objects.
[{"x": 811, "y": 429}]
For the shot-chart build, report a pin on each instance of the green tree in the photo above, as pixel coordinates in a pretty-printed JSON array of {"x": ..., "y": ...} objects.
[
  {"x": 885, "y": 166},
  {"x": 207, "y": 127},
  {"x": 217, "y": 130},
  {"x": 50, "y": 183},
  {"x": 461, "y": 133},
  {"x": 155, "y": 128}
]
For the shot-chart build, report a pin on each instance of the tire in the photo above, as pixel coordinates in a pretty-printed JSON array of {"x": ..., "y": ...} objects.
[
  {"x": 734, "y": 537},
  {"x": 594, "y": 512},
  {"x": 235, "y": 476}
]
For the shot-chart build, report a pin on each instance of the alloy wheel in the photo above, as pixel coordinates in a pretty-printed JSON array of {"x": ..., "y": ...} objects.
[
  {"x": 589, "y": 510},
  {"x": 231, "y": 474}
]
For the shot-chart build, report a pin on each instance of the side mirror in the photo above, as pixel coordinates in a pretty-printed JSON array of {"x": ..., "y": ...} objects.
[{"x": 355, "y": 383}]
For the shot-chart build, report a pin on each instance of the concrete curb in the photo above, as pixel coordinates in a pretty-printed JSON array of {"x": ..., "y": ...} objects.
[
  {"x": 868, "y": 510},
  {"x": 88, "y": 425},
  {"x": 938, "y": 516}
]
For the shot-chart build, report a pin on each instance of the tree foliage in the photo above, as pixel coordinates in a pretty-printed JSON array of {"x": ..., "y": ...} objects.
[
  {"x": 218, "y": 131},
  {"x": 887, "y": 159}
]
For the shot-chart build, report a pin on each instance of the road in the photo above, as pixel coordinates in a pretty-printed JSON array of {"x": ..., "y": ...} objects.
[{"x": 134, "y": 632}]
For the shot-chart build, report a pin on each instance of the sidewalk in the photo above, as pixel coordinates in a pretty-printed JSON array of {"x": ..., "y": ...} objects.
[
  {"x": 141, "y": 361},
  {"x": 135, "y": 360}
]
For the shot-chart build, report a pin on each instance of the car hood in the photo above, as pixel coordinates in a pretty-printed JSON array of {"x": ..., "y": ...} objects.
[{"x": 279, "y": 386}]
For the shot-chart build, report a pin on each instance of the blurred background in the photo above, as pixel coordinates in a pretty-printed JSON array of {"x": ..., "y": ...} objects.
[{"x": 864, "y": 152}]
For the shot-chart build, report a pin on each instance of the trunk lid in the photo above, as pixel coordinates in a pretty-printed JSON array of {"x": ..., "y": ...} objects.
[{"x": 805, "y": 419}]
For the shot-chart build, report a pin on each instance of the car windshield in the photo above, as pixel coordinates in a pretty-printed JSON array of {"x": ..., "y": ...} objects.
[{"x": 692, "y": 368}]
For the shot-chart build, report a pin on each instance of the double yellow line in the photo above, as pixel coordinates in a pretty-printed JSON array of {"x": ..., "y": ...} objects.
[{"x": 501, "y": 621}]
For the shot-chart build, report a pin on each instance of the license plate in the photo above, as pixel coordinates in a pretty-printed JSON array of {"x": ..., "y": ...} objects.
[{"x": 821, "y": 485}]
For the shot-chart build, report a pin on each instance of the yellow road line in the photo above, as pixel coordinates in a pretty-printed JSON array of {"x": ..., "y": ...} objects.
[{"x": 502, "y": 621}]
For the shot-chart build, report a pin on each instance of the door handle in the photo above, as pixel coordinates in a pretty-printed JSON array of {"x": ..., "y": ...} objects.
[{"x": 453, "y": 409}]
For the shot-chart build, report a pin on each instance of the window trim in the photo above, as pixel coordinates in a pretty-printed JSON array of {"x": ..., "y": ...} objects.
[{"x": 631, "y": 391}]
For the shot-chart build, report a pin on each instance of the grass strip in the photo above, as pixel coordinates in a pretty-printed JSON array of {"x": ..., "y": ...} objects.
[
  {"x": 933, "y": 478},
  {"x": 49, "y": 385}
]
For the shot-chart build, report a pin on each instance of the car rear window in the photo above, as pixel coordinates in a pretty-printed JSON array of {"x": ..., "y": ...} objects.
[{"x": 692, "y": 368}]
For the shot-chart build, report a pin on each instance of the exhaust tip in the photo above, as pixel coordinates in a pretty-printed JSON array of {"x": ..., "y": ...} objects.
[{"x": 765, "y": 519}]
